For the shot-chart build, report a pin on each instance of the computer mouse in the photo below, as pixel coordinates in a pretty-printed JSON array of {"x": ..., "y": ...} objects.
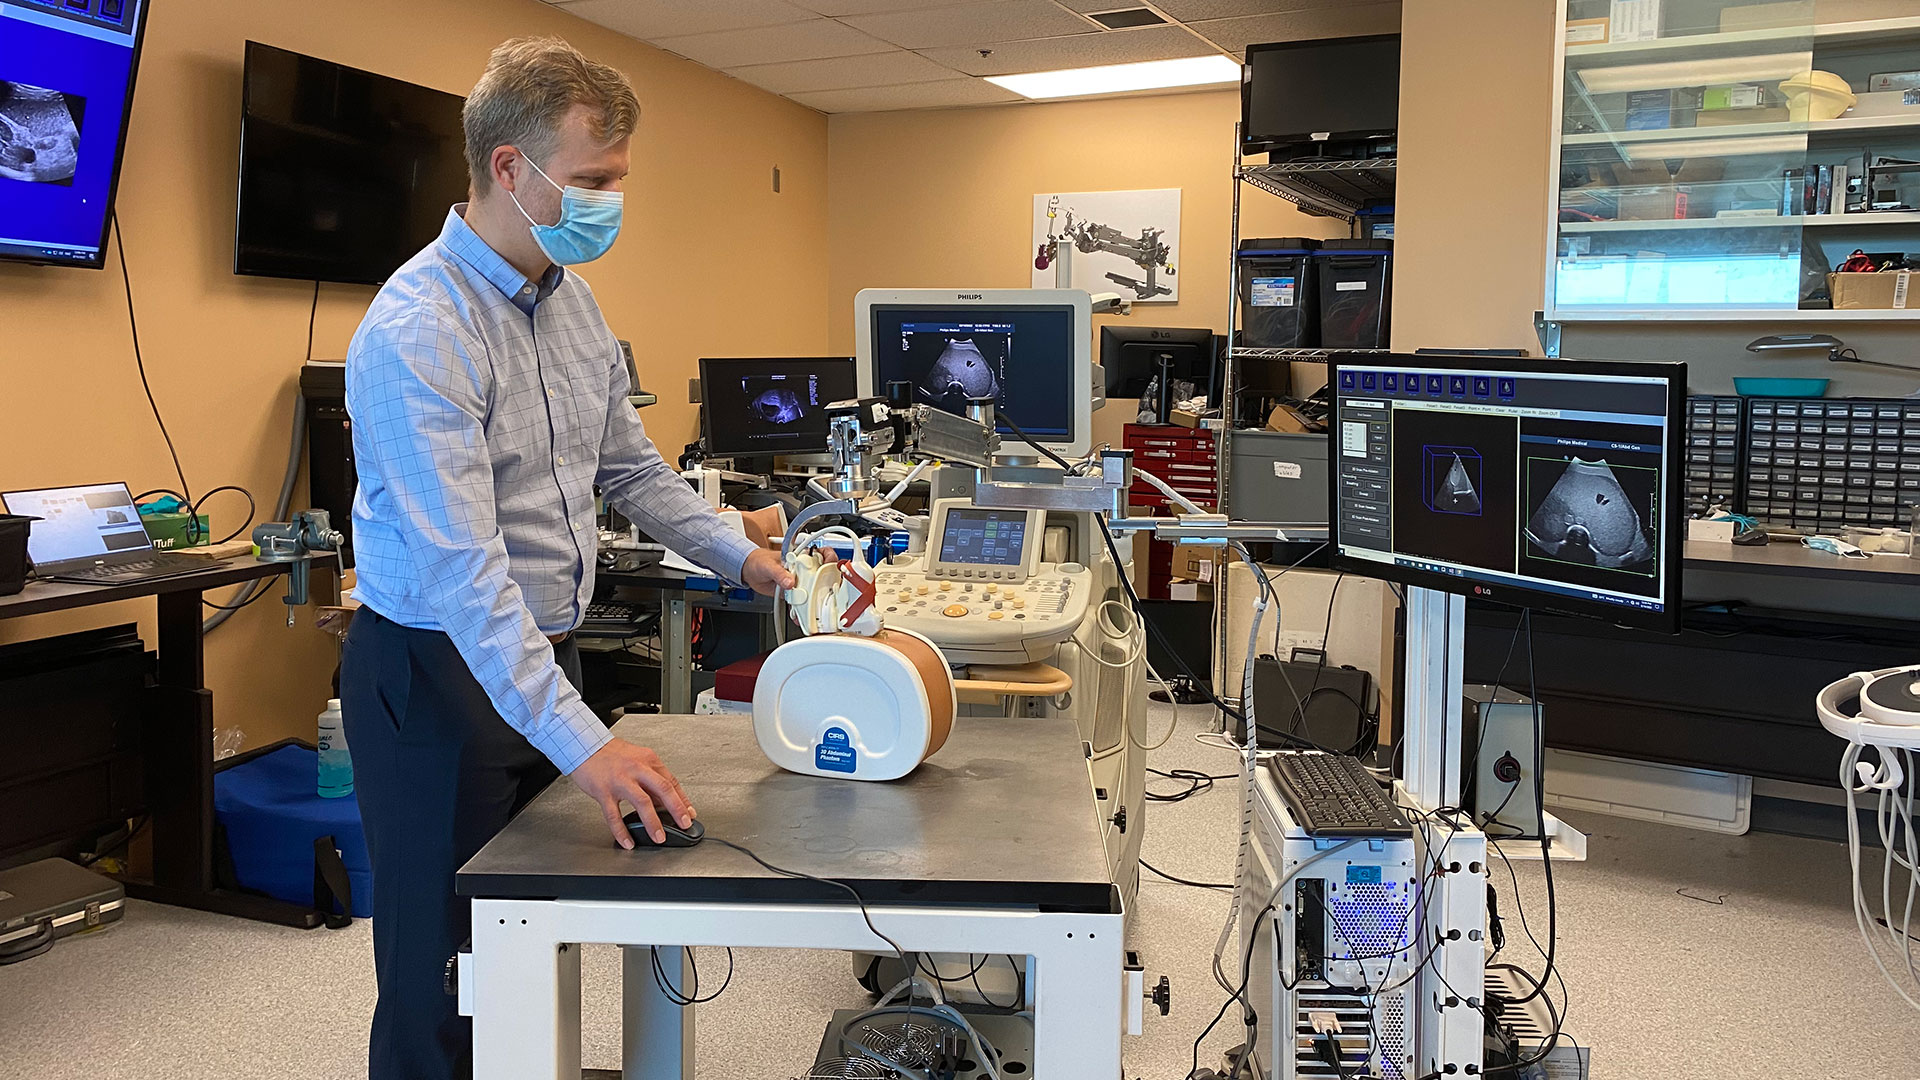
[{"x": 676, "y": 836}]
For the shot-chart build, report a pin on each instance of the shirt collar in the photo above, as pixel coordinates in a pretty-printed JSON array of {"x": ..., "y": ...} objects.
[{"x": 467, "y": 246}]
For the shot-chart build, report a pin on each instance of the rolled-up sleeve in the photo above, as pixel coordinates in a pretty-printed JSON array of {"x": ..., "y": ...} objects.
[
  {"x": 643, "y": 486},
  {"x": 418, "y": 395}
]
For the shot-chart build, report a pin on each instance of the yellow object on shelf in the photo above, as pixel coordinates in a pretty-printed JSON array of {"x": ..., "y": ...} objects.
[{"x": 1817, "y": 95}]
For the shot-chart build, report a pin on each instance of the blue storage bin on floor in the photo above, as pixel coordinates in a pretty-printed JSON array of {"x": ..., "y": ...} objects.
[{"x": 271, "y": 814}]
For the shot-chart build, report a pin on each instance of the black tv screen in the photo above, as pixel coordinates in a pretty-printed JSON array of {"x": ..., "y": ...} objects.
[
  {"x": 1299, "y": 93},
  {"x": 66, "y": 83},
  {"x": 344, "y": 174}
]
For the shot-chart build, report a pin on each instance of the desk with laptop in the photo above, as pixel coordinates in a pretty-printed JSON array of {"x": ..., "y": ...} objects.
[{"x": 92, "y": 535}]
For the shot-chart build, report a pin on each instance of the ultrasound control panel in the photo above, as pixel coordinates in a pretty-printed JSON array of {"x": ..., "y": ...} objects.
[{"x": 980, "y": 592}]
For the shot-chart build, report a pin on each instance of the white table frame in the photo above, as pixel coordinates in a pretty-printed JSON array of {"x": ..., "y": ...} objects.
[{"x": 523, "y": 985}]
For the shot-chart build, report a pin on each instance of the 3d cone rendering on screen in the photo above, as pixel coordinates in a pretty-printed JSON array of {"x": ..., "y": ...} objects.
[{"x": 1456, "y": 493}]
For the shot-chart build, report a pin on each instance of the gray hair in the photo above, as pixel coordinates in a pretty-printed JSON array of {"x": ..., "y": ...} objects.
[{"x": 526, "y": 92}]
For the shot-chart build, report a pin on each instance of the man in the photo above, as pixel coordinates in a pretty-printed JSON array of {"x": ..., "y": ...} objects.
[{"x": 488, "y": 397}]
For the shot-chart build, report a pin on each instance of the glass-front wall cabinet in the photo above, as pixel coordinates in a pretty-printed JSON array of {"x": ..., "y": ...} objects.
[{"x": 1719, "y": 159}]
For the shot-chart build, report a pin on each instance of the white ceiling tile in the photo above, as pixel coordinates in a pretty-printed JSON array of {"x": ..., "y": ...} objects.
[
  {"x": 836, "y": 8},
  {"x": 927, "y": 95},
  {"x": 978, "y": 24},
  {"x": 814, "y": 39},
  {"x": 844, "y": 72},
  {"x": 1194, "y": 10},
  {"x": 661, "y": 18},
  {"x": 1074, "y": 51},
  {"x": 1234, "y": 35}
]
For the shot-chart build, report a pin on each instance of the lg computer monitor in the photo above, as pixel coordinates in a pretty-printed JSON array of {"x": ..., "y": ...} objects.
[
  {"x": 1538, "y": 483},
  {"x": 66, "y": 83},
  {"x": 761, "y": 406},
  {"x": 1030, "y": 350}
]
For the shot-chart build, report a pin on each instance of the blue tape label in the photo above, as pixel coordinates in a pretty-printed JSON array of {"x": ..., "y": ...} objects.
[
  {"x": 1363, "y": 875},
  {"x": 836, "y": 754}
]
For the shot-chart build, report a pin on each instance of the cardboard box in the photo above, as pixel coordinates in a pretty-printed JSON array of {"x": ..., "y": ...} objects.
[
  {"x": 1189, "y": 590},
  {"x": 1588, "y": 31},
  {"x": 1793, "y": 13},
  {"x": 1765, "y": 114},
  {"x": 1871, "y": 292},
  {"x": 1285, "y": 418},
  {"x": 1657, "y": 204},
  {"x": 169, "y": 531},
  {"x": 1183, "y": 418},
  {"x": 1197, "y": 562}
]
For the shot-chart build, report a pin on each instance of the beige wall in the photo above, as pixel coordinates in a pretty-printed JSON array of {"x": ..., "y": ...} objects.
[
  {"x": 705, "y": 233},
  {"x": 938, "y": 198},
  {"x": 1470, "y": 236}
]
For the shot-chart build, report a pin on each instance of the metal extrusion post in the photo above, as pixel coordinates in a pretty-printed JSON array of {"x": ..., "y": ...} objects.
[
  {"x": 526, "y": 994},
  {"x": 676, "y": 660},
  {"x": 1225, "y": 686},
  {"x": 656, "y": 1035},
  {"x": 1435, "y": 663}
]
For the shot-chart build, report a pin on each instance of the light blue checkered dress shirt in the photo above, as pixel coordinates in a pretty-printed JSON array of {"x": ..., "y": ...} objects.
[{"x": 485, "y": 407}]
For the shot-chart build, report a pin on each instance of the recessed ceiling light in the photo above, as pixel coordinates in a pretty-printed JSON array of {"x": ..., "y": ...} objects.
[{"x": 1120, "y": 78}]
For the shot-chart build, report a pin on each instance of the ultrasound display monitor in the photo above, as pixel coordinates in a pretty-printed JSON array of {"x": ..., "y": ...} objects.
[
  {"x": 66, "y": 81},
  {"x": 1030, "y": 350},
  {"x": 1538, "y": 483},
  {"x": 770, "y": 406}
]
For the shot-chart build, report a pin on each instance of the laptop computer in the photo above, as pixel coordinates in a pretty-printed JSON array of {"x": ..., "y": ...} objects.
[{"x": 92, "y": 535}]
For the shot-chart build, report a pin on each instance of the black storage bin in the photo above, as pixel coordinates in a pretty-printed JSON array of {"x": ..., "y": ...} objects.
[
  {"x": 13, "y": 552},
  {"x": 1356, "y": 293},
  {"x": 1279, "y": 305}
]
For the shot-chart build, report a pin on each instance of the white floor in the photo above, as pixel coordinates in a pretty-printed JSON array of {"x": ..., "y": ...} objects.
[{"x": 1687, "y": 955}]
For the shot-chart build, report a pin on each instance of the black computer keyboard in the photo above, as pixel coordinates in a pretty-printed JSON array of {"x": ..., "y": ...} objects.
[
  {"x": 1332, "y": 795},
  {"x": 614, "y": 618}
]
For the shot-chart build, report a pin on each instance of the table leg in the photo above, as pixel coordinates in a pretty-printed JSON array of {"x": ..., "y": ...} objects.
[
  {"x": 1077, "y": 1007},
  {"x": 526, "y": 996},
  {"x": 179, "y": 752},
  {"x": 656, "y": 1035},
  {"x": 676, "y": 661}
]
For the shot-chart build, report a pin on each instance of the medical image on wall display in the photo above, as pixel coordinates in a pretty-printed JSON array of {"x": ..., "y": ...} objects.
[
  {"x": 948, "y": 365},
  {"x": 39, "y": 134},
  {"x": 1461, "y": 511}
]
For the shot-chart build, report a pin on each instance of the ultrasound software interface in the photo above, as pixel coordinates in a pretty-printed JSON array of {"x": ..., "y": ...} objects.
[
  {"x": 65, "y": 68},
  {"x": 1022, "y": 358},
  {"x": 1547, "y": 481}
]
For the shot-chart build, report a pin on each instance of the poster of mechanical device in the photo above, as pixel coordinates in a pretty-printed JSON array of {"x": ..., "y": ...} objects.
[{"x": 1123, "y": 241}]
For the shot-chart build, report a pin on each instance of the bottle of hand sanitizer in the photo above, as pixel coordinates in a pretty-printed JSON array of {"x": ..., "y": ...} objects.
[{"x": 336, "y": 767}]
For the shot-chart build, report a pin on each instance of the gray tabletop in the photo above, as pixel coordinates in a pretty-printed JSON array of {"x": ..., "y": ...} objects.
[
  {"x": 1787, "y": 557},
  {"x": 1001, "y": 815}
]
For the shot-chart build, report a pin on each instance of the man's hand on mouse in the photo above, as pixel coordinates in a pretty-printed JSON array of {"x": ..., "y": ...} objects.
[
  {"x": 764, "y": 573},
  {"x": 622, "y": 771}
]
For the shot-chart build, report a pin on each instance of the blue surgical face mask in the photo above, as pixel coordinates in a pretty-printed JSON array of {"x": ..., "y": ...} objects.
[{"x": 589, "y": 223}]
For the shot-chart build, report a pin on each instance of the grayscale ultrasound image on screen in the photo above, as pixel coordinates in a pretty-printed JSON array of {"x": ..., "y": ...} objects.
[{"x": 1590, "y": 513}]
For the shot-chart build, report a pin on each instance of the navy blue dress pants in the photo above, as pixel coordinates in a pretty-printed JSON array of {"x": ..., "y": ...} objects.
[{"x": 438, "y": 773}]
